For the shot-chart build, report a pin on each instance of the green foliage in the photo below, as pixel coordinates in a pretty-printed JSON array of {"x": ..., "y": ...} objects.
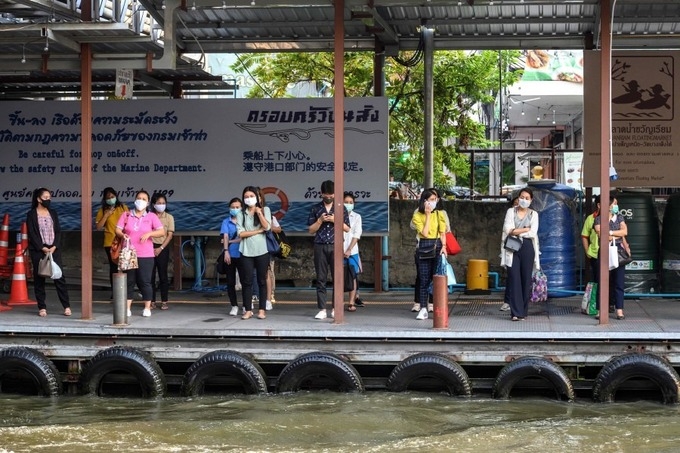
[{"x": 463, "y": 81}]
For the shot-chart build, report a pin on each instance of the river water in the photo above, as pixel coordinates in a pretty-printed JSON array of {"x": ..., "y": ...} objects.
[{"x": 332, "y": 422}]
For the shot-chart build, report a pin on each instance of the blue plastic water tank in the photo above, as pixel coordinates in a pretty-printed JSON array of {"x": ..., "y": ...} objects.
[{"x": 557, "y": 234}]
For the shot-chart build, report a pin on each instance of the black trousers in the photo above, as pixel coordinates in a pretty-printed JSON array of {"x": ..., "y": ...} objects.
[
  {"x": 519, "y": 279},
  {"x": 323, "y": 265},
  {"x": 160, "y": 265},
  {"x": 235, "y": 265},
  {"x": 113, "y": 267},
  {"x": 140, "y": 277},
  {"x": 261, "y": 265},
  {"x": 39, "y": 282}
]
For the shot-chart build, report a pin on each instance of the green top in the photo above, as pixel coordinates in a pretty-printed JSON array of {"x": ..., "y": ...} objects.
[{"x": 588, "y": 231}]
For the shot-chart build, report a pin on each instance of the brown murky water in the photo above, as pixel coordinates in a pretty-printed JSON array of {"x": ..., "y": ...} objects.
[{"x": 331, "y": 422}]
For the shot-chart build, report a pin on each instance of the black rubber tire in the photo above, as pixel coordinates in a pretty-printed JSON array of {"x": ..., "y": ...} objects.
[
  {"x": 136, "y": 362},
  {"x": 224, "y": 363},
  {"x": 43, "y": 372},
  {"x": 433, "y": 365},
  {"x": 526, "y": 367},
  {"x": 306, "y": 367},
  {"x": 649, "y": 366}
]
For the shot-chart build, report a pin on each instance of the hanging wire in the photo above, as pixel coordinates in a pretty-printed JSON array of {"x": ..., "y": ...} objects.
[{"x": 417, "y": 56}]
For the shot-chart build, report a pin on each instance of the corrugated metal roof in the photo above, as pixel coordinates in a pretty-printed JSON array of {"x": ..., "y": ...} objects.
[{"x": 48, "y": 35}]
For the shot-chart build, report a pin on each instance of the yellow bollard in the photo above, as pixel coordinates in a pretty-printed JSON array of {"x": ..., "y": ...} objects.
[{"x": 477, "y": 277}]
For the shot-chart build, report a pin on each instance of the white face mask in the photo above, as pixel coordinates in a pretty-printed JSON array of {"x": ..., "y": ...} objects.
[
  {"x": 432, "y": 204},
  {"x": 524, "y": 203},
  {"x": 141, "y": 204},
  {"x": 159, "y": 207},
  {"x": 250, "y": 201}
]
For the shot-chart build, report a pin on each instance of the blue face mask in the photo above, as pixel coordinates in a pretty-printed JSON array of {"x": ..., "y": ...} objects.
[
  {"x": 111, "y": 201},
  {"x": 349, "y": 207},
  {"x": 234, "y": 211},
  {"x": 615, "y": 209}
]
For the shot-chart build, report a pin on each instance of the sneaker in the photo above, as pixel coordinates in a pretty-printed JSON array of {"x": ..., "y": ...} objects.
[
  {"x": 505, "y": 307},
  {"x": 269, "y": 305},
  {"x": 430, "y": 308},
  {"x": 333, "y": 313},
  {"x": 129, "y": 313},
  {"x": 146, "y": 313},
  {"x": 416, "y": 307},
  {"x": 233, "y": 311},
  {"x": 422, "y": 314},
  {"x": 358, "y": 302},
  {"x": 321, "y": 315},
  {"x": 256, "y": 300},
  {"x": 244, "y": 310}
]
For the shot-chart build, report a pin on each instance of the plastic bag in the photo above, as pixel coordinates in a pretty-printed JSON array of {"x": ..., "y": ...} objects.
[
  {"x": 128, "y": 257},
  {"x": 613, "y": 255},
  {"x": 589, "y": 301},
  {"x": 48, "y": 268}
]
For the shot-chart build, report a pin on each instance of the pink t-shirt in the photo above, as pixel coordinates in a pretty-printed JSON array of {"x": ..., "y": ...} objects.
[{"x": 135, "y": 227}]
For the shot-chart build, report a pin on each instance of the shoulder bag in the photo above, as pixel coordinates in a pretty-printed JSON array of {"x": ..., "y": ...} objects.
[
  {"x": 282, "y": 239},
  {"x": 117, "y": 243},
  {"x": 512, "y": 243},
  {"x": 452, "y": 245},
  {"x": 273, "y": 246}
]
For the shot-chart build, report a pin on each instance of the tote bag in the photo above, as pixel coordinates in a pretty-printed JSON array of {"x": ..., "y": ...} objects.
[
  {"x": 613, "y": 255},
  {"x": 128, "y": 257}
]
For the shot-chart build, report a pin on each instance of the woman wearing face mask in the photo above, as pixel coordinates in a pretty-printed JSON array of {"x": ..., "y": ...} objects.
[
  {"x": 139, "y": 226},
  {"x": 232, "y": 256},
  {"x": 44, "y": 236},
  {"x": 431, "y": 228},
  {"x": 253, "y": 222},
  {"x": 350, "y": 245},
  {"x": 107, "y": 219},
  {"x": 618, "y": 230},
  {"x": 522, "y": 222},
  {"x": 161, "y": 250}
]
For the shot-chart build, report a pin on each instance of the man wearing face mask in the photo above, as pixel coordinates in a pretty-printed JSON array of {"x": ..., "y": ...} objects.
[{"x": 321, "y": 223}]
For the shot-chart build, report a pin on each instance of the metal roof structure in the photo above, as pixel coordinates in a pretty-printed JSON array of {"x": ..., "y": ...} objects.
[{"x": 40, "y": 40}]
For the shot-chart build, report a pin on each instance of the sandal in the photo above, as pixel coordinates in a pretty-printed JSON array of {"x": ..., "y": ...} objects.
[
  {"x": 164, "y": 306},
  {"x": 153, "y": 306},
  {"x": 514, "y": 318},
  {"x": 67, "y": 311},
  {"x": 351, "y": 307},
  {"x": 42, "y": 312}
]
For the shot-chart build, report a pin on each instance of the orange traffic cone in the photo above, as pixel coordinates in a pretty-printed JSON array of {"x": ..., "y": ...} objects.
[
  {"x": 24, "y": 237},
  {"x": 4, "y": 240},
  {"x": 24, "y": 247},
  {"x": 19, "y": 293}
]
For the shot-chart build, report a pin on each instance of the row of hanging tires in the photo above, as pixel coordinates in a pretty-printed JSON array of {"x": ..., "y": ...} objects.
[{"x": 324, "y": 370}]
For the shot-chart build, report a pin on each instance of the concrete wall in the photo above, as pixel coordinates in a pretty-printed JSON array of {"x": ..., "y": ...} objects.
[{"x": 477, "y": 225}]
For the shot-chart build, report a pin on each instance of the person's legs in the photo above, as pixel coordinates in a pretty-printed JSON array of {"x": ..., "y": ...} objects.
[
  {"x": 514, "y": 286},
  {"x": 60, "y": 284},
  {"x": 113, "y": 267},
  {"x": 231, "y": 283},
  {"x": 322, "y": 269},
  {"x": 526, "y": 270},
  {"x": 143, "y": 280},
  {"x": 248, "y": 266},
  {"x": 262, "y": 269},
  {"x": 38, "y": 281},
  {"x": 161, "y": 263},
  {"x": 617, "y": 281}
]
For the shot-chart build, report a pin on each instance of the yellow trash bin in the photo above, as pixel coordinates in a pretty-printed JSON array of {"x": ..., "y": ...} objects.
[{"x": 477, "y": 277}]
